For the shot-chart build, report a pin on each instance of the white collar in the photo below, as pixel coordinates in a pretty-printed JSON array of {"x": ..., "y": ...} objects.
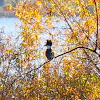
[{"x": 48, "y": 47}]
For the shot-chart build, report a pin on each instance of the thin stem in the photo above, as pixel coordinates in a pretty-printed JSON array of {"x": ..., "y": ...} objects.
[
  {"x": 78, "y": 48},
  {"x": 97, "y": 25},
  {"x": 54, "y": 57},
  {"x": 64, "y": 17}
]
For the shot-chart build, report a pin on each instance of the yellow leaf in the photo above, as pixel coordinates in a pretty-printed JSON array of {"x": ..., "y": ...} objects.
[
  {"x": 77, "y": 2},
  {"x": 0, "y": 97},
  {"x": 1, "y": 76},
  {"x": 69, "y": 8},
  {"x": 41, "y": 27},
  {"x": 80, "y": 9},
  {"x": 9, "y": 51},
  {"x": 90, "y": 2},
  {"x": 49, "y": 24},
  {"x": 39, "y": 4},
  {"x": 82, "y": 3}
]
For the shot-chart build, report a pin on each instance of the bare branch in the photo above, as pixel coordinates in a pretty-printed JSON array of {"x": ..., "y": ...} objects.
[
  {"x": 66, "y": 21},
  {"x": 64, "y": 17},
  {"x": 97, "y": 25},
  {"x": 78, "y": 48},
  {"x": 95, "y": 65},
  {"x": 35, "y": 69}
]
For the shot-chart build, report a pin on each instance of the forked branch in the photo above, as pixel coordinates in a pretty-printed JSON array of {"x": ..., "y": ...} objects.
[{"x": 35, "y": 69}]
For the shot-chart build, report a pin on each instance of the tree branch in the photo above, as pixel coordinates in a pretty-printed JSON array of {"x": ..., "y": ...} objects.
[
  {"x": 64, "y": 54},
  {"x": 78, "y": 48},
  {"x": 92, "y": 61},
  {"x": 35, "y": 69},
  {"x": 66, "y": 20},
  {"x": 97, "y": 25},
  {"x": 64, "y": 17}
]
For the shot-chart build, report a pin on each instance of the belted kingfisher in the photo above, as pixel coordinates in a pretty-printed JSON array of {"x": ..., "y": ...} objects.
[{"x": 49, "y": 53}]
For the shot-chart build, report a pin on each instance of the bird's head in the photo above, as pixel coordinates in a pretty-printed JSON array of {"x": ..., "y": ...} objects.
[{"x": 48, "y": 44}]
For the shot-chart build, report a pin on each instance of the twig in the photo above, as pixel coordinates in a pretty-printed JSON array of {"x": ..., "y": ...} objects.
[
  {"x": 92, "y": 61},
  {"x": 66, "y": 21},
  {"x": 64, "y": 17},
  {"x": 78, "y": 48},
  {"x": 97, "y": 25},
  {"x": 54, "y": 57}
]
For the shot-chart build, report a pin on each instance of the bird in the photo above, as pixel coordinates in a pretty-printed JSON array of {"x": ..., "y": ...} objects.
[{"x": 49, "y": 53}]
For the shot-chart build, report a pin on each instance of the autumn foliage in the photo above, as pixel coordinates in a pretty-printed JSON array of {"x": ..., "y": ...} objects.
[{"x": 74, "y": 73}]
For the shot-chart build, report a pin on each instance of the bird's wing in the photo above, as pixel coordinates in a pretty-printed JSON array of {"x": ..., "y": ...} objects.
[{"x": 52, "y": 55}]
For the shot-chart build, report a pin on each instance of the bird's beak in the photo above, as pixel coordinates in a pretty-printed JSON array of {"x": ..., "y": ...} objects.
[{"x": 45, "y": 45}]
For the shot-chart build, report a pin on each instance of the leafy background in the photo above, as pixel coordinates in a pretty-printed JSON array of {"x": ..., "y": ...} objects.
[{"x": 74, "y": 72}]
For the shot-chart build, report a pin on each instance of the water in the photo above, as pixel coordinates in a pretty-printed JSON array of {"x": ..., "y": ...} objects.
[{"x": 10, "y": 26}]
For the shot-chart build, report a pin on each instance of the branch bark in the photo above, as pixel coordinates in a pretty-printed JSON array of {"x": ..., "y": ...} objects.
[
  {"x": 35, "y": 69},
  {"x": 97, "y": 25}
]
